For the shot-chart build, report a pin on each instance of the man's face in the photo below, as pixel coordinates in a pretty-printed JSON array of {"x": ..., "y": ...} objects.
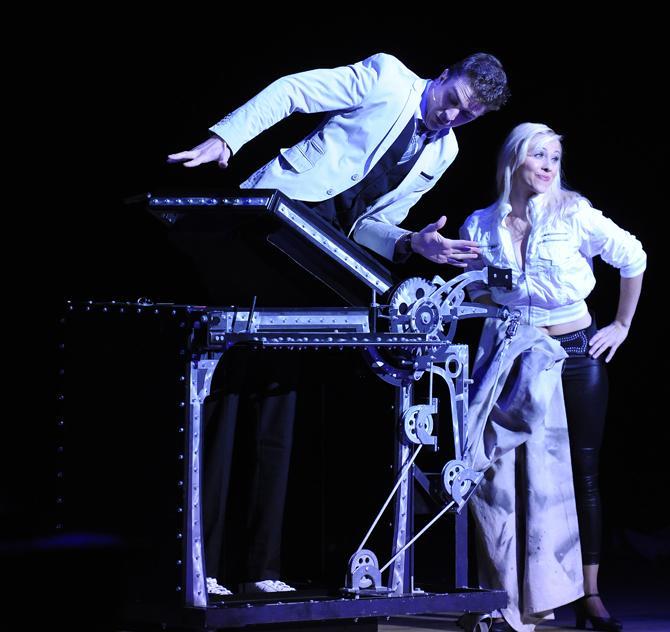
[{"x": 449, "y": 103}]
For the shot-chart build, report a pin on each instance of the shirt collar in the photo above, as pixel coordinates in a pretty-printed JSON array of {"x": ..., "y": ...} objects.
[{"x": 505, "y": 208}]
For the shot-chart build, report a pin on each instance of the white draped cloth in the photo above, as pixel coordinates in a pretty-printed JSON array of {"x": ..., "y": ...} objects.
[{"x": 524, "y": 509}]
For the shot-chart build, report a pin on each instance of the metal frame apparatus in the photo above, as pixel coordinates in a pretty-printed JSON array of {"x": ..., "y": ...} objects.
[{"x": 406, "y": 332}]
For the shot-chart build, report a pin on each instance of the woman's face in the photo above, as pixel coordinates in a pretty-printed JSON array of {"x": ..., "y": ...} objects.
[{"x": 541, "y": 166}]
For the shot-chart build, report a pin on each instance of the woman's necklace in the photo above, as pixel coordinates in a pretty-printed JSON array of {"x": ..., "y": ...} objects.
[
  {"x": 519, "y": 227},
  {"x": 519, "y": 230}
]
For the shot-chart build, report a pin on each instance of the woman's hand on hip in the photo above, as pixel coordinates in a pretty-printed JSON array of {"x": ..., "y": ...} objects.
[{"x": 609, "y": 339}]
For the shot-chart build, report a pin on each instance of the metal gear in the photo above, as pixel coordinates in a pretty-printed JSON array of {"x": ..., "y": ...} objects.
[
  {"x": 418, "y": 424},
  {"x": 411, "y": 311},
  {"x": 363, "y": 571},
  {"x": 450, "y": 475}
]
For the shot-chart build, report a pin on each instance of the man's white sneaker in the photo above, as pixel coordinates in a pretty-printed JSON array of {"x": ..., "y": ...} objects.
[
  {"x": 214, "y": 588},
  {"x": 266, "y": 586}
]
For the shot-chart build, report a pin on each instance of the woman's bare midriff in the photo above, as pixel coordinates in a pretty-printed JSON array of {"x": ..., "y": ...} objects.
[{"x": 567, "y": 328}]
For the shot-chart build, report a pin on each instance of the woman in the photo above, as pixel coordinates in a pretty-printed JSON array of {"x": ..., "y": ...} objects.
[{"x": 548, "y": 235}]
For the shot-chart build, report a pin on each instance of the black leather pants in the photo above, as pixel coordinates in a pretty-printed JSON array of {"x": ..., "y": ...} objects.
[{"x": 585, "y": 388}]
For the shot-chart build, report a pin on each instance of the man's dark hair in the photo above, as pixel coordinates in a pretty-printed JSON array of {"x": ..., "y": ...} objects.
[{"x": 486, "y": 77}]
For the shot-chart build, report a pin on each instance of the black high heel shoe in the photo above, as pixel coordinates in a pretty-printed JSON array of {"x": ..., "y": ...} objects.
[{"x": 604, "y": 624}]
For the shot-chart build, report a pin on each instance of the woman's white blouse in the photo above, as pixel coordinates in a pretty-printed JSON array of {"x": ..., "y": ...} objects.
[{"x": 558, "y": 272}]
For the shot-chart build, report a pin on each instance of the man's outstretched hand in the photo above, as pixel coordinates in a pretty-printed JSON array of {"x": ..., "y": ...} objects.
[
  {"x": 214, "y": 149},
  {"x": 430, "y": 244}
]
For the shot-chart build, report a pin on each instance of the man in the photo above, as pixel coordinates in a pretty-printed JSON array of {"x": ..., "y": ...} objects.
[
  {"x": 376, "y": 104},
  {"x": 386, "y": 142}
]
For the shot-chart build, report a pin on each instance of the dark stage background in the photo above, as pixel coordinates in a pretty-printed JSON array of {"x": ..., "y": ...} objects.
[{"x": 116, "y": 104}]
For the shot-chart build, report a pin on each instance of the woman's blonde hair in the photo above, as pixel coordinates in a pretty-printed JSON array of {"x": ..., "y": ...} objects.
[{"x": 522, "y": 139}]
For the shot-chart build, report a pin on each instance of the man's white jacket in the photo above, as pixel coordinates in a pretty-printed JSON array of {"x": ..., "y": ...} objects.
[{"x": 370, "y": 103}]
